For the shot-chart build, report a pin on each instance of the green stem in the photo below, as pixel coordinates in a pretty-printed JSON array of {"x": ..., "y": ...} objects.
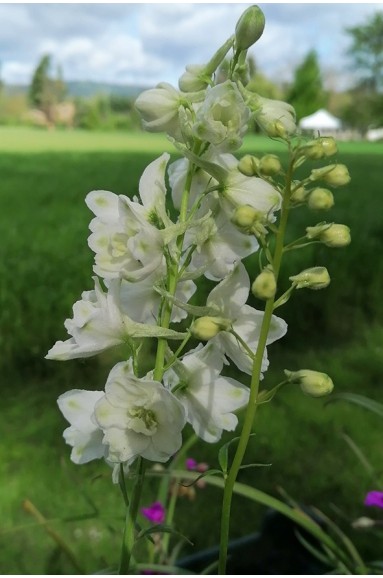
[
  {"x": 164, "y": 489},
  {"x": 173, "y": 274},
  {"x": 130, "y": 520},
  {"x": 254, "y": 387}
]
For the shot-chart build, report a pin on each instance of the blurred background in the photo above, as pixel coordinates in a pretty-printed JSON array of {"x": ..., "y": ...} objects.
[{"x": 69, "y": 75}]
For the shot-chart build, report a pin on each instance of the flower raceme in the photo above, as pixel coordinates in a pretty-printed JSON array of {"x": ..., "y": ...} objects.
[{"x": 148, "y": 260}]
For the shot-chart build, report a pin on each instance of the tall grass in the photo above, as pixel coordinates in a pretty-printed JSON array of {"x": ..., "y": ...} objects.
[{"x": 45, "y": 264}]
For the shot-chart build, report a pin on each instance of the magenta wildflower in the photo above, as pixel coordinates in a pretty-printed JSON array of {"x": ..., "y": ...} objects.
[
  {"x": 191, "y": 464},
  {"x": 154, "y": 513},
  {"x": 374, "y": 498}
]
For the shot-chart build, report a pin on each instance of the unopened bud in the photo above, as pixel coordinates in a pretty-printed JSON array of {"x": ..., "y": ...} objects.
[
  {"x": 313, "y": 150},
  {"x": 276, "y": 129},
  {"x": 249, "y": 28},
  {"x": 264, "y": 286},
  {"x": 334, "y": 175},
  {"x": 194, "y": 78},
  {"x": 313, "y": 278},
  {"x": 245, "y": 216},
  {"x": 321, "y": 200},
  {"x": 311, "y": 382},
  {"x": 269, "y": 165},
  {"x": 329, "y": 146},
  {"x": 206, "y": 328},
  {"x": 299, "y": 194},
  {"x": 332, "y": 235},
  {"x": 319, "y": 148},
  {"x": 248, "y": 165}
]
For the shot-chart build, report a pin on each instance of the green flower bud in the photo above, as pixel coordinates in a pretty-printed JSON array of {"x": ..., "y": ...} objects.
[
  {"x": 320, "y": 199},
  {"x": 311, "y": 382},
  {"x": 319, "y": 148},
  {"x": 248, "y": 165},
  {"x": 334, "y": 175},
  {"x": 245, "y": 216},
  {"x": 264, "y": 286},
  {"x": 249, "y": 28},
  {"x": 313, "y": 150},
  {"x": 299, "y": 193},
  {"x": 206, "y": 328},
  {"x": 329, "y": 146},
  {"x": 332, "y": 235},
  {"x": 313, "y": 278},
  {"x": 336, "y": 236},
  {"x": 269, "y": 165}
]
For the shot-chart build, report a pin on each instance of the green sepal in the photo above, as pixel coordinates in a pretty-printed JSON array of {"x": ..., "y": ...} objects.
[
  {"x": 177, "y": 229},
  {"x": 144, "y": 330},
  {"x": 196, "y": 310},
  {"x": 217, "y": 172}
]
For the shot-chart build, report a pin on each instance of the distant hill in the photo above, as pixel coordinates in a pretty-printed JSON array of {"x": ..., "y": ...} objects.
[{"x": 87, "y": 89}]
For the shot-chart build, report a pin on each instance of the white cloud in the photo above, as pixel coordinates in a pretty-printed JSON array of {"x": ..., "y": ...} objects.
[{"x": 149, "y": 43}]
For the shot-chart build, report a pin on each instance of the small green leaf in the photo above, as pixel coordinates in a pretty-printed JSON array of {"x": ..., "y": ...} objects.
[
  {"x": 246, "y": 466},
  {"x": 160, "y": 528},
  {"x": 361, "y": 400},
  {"x": 223, "y": 454},
  {"x": 207, "y": 473}
]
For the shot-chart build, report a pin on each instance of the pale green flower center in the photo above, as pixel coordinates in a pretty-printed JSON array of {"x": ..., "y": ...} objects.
[{"x": 143, "y": 420}]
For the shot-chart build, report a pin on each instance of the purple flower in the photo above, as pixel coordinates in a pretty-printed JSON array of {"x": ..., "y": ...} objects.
[
  {"x": 191, "y": 464},
  {"x": 374, "y": 498},
  {"x": 154, "y": 513}
]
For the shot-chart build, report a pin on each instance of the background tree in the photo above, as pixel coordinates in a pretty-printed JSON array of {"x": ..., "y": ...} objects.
[
  {"x": 366, "y": 51},
  {"x": 306, "y": 92},
  {"x": 45, "y": 91}
]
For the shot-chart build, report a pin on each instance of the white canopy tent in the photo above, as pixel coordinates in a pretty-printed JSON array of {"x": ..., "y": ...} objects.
[{"x": 321, "y": 121}]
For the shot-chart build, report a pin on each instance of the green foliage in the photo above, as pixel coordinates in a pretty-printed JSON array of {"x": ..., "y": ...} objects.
[
  {"x": 306, "y": 93},
  {"x": 366, "y": 51}
]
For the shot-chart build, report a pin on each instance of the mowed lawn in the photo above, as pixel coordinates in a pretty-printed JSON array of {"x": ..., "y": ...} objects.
[{"x": 45, "y": 264}]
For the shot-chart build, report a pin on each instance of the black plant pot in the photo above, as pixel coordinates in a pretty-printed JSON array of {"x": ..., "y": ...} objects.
[{"x": 276, "y": 549}]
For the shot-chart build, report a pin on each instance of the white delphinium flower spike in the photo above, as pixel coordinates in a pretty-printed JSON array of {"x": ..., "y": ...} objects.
[
  {"x": 209, "y": 398},
  {"x": 139, "y": 417}
]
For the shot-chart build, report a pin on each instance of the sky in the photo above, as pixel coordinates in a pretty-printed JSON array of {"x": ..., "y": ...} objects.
[{"x": 146, "y": 43}]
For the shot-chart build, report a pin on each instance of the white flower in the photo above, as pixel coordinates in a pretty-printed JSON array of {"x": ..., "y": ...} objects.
[
  {"x": 152, "y": 189},
  {"x": 177, "y": 178},
  {"x": 194, "y": 78},
  {"x": 222, "y": 118},
  {"x": 125, "y": 244},
  {"x": 139, "y": 417},
  {"x": 209, "y": 399},
  {"x": 159, "y": 107},
  {"x": 99, "y": 323},
  {"x": 275, "y": 117},
  {"x": 219, "y": 246},
  {"x": 83, "y": 435},
  {"x": 228, "y": 299},
  {"x": 240, "y": 190}
]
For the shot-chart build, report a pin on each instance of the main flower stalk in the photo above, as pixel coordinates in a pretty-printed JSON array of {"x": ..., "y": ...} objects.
[{"x": 251, "y": 408}]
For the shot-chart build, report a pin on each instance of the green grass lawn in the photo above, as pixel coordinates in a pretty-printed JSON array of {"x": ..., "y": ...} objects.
[{"x": 45, "y": 264}]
